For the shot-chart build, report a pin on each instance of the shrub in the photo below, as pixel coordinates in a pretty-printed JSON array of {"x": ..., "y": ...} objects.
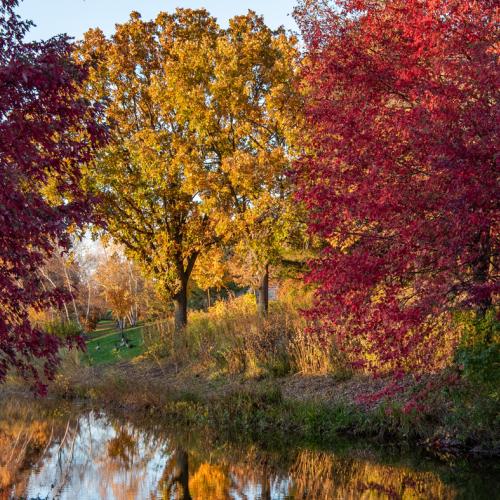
[
  {"x": 89, "y": 323},
  {"x": 479, "y": 352},
  {"x": 62, "y": 328}
]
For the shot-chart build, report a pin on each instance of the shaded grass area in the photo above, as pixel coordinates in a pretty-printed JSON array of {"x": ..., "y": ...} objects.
[{"x": 105, "y": 347}]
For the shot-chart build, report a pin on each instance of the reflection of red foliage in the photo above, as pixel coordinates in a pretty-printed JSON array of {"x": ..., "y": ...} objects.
[
  {"x": 46, "y": 131},
  {"x": 403, "y": 112}
]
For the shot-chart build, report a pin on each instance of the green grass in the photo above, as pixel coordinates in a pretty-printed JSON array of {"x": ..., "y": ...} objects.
[
  {"x": 103, "y": 328},
  {"x": 107, "y": 337}
]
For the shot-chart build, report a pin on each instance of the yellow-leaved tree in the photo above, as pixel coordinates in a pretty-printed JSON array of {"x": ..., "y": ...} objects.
[
  {"x": 114, "y": 280},
  {"x": 198, "y": 151}
]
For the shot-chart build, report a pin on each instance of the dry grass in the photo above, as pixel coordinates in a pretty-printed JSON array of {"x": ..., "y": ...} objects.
[{"x": 231, "y": 338}]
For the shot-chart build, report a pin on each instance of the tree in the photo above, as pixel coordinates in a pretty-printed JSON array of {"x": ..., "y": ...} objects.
[
  {"x": 403, "y": 183},
  {"x": 153, "y": 175},
  {"x": 62, "y": 272},
  {"x": 47, "y": 130},
  {"x": 87, "y": 256},
  {"x": 195, "y": 136},
  {"x": 118, "y": 290},
  {"x": 265, "y": 238}
]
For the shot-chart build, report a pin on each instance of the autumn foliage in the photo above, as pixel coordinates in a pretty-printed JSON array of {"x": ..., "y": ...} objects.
[
  {"x": 46, "y": 132},
  {"x": 198, "y": 118},
  {"x": 402, "y": 175},
  {"x": 185, "y": 132}
]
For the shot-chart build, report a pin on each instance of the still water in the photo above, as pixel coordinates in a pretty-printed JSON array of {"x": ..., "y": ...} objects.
[{"x": 71, "y": 453}]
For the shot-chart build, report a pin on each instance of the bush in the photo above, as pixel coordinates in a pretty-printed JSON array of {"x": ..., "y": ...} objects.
[
  {"x": 63, "y": 329},
  {"x": 479, "y": 352},
  {"x": 158, "y": 339},
  {"x": 481, "y": 364},
  {"x": 89, "y": 324}
]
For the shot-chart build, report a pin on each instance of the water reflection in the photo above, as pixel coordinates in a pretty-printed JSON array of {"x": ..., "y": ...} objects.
[{"x": 92, "y": 456}]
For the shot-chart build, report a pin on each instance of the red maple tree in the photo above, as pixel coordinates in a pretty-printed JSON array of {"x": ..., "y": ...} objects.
[
  {"x": 404, "y": 181},
  {"x": 46, "y": 132}
]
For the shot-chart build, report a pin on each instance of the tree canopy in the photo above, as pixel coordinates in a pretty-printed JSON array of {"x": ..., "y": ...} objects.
[
  {"x": 403, "y": 179},
  {"x": 197, "y": 117},
  {"x": 47, "y": 131}
]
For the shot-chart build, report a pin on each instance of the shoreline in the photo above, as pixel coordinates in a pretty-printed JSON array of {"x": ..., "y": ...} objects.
[{"x": 314, "y": 409}]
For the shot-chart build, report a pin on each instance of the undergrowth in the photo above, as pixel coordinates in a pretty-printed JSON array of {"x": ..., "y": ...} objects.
[{"x": 231, "y": 338}]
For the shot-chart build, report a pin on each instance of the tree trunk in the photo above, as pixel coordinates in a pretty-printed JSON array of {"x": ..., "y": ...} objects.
[
  {"x": 180, "y": 307},
  {"x": 183, "y": 473},
  {"x": 87, "y": 312},
  {"x": 179, "y": 475},
  {"x": 263, "y": 295},
  {"x": 121, "y": 325},
  {"x": 47, "y": 277},
  {"x": 266, "y": 485},
  {"x": 133, "y": 316},
  {"x": 68, "y": 285},
  {"x": 180, "y": 298},
  {"x": 133, "y": 287}
]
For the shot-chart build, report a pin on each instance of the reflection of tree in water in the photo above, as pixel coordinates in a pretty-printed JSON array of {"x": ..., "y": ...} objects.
[
  {"x": 71, "y": 454},
  {"x": 175, "y": 480},
  {"x": 122, "y": 447},
  {"x": 228, "y": 473},
  {"x": 324, "y": 476},
  {"x": 17, "y": 455},
  {"x": 257, "y": 469},
  {"x": 113, "y": 459},
  {"x": 125, "y": 460},
  {"x": 251, "y": 473},
  {"x": 210, "y": 481},
  {"x": 32, "y": 443},
  {"x": 23, "y": 442}
]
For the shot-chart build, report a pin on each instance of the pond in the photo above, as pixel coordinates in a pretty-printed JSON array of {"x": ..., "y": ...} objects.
[{"x": 74, "y": 453}]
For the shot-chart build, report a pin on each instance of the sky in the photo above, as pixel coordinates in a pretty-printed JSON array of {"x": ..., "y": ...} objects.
[{"x": 74, "y": 17}]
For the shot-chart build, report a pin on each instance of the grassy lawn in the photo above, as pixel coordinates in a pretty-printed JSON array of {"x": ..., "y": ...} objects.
[
  {"x": 104, "y": 346},
  {"x": 104, "y": 327}
]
